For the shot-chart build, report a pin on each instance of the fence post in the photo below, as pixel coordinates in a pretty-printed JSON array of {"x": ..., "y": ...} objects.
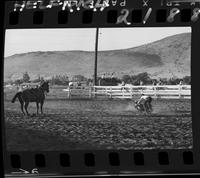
[
  {"x": 155, "y": 91},
  {"x": 94, "y": 92},
  {"x": 90, "y": 92},
  {"x": 69, "y": 93},
  {"x": 110, "y": 92},
  {"x": 131, "y": 88},
  {"x": 106, "y": 91},
  {"x": 180, "y": 87}
]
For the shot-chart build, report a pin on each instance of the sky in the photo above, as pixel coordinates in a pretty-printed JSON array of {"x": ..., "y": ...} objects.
[{"x": 30, "y": 40}]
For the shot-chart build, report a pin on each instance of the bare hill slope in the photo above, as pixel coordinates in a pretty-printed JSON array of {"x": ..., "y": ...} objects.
[{"x": 164, "y": 58}]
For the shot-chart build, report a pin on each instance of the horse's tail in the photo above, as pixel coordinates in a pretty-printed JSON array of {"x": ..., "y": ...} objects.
[{"x": 17, "y": 95}]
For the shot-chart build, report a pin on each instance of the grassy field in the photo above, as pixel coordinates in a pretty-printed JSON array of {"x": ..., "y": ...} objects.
[{"x": 98, "y": 124}]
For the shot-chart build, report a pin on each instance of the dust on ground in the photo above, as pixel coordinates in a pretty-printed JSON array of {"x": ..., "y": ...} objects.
[{"x": 99, "y": 124}]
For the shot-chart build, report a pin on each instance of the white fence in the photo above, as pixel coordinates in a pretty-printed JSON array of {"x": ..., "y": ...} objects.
[{"x": 161, "y": 91}]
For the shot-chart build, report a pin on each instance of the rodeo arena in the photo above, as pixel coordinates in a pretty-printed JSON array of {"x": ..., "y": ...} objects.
[
  {"x": 92, "y": 116},
  {"x": 100, "y": 117}
]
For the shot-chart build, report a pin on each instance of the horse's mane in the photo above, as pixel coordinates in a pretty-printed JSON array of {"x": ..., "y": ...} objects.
[{"x": 43, "y": 83}]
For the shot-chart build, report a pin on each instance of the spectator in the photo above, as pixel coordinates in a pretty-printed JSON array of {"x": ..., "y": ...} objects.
[
  {"x": 159, "y": 82},
  {"x": 123, "y": 85},
  {"x": 154, "y": 82},
  {"x": 103, "y": 76},
  {"x": 112, "y": 75},
  {"x": 70, "y": 84}
]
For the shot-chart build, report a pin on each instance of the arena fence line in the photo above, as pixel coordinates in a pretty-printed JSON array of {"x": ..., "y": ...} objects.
[{"x": 128, "y": 92}]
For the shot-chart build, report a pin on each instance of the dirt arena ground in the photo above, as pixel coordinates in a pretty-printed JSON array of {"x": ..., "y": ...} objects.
[{"x": 99, "y": 124}]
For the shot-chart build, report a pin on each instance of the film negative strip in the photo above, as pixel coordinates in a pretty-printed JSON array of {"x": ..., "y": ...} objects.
[{"x": 100, "y": 87}]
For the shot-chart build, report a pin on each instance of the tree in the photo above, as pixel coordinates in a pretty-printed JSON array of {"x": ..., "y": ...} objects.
[
  {"x": 59, "y": 80},
  {"x": 89, "y": 81},
  {"x": 187, "y": 80},
  {"x": 174, "y": 81},
  {"x": 109, "y": 81},
  {"x": 144, "y": 77},
  {"x": 38, "y": 79},
  {"x": 127, "y": 78},
  {"x": 18, "y": 81},
  {"x": 79, "y": 78},
  {"x": 26, "y": 77},
  {"x": 64, "y": 79}
]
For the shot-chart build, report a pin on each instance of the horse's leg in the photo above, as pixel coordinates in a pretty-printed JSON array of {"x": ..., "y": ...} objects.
[
  {"x": 22, "y": 107},
  {"x": 26, "y": 106},
  {"x": 22, "y": 104},
  {"x": 145, "y": 108},
  {"x": 37, "y": 104},
  {"x": 41, "y": 105},
  {"x": 150, "y": 106}
]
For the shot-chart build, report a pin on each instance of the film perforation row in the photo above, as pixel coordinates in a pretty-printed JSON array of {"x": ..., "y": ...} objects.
[
  {"x": 112, "y": 157},
  {"x": 63, "y": 17}
]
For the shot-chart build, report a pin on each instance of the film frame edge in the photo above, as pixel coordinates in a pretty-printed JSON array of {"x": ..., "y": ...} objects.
[{"x": 194, "y": 167}]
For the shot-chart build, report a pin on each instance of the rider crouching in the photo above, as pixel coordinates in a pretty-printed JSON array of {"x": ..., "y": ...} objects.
[{"x": 145, "y": 103}]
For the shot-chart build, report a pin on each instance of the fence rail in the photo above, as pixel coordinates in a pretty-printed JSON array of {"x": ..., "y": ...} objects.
[{"x": 162, "y": 91}]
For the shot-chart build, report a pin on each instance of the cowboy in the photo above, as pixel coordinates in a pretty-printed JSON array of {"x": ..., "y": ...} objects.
[{"x": 145, "y": 101}]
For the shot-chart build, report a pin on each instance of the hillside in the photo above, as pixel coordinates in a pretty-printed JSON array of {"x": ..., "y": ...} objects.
[{"x": 164, "y": 58}]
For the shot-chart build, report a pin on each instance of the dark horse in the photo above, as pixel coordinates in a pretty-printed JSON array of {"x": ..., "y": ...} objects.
[{"x": 32, "y": 95}]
